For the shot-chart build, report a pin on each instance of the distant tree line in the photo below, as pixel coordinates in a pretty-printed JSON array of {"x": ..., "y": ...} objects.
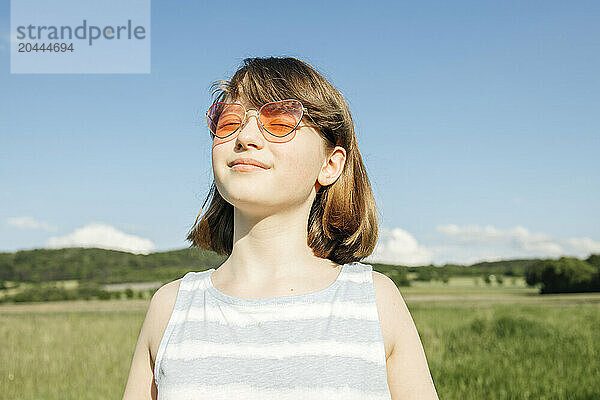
[
  {"x": 566, "y": 275},
  {"x": 103, "y": 266},
  {"x": 426, "y": 273},
  {"x": 563, "y": 275},
  {"x": 95, "y": 267},
  {"x": 85, "y": 291}
]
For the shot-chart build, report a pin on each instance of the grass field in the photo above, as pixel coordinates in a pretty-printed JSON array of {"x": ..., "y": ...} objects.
[{"x": 481, "y": 343}]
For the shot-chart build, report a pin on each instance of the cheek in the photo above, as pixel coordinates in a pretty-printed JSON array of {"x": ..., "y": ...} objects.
[
  {"x": 219, "y": 161},
  {"x": 215, "y": 157},
  {"x": 297, "y": 172}
]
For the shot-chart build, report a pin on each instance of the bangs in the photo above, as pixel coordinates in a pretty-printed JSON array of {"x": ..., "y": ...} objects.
[{"x": 254, "y": 85}]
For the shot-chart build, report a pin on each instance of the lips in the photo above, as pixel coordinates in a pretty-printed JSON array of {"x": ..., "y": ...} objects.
[{"x": 248, "y": 161}]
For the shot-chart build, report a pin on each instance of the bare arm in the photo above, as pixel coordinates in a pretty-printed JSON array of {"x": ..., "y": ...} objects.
[
  {"x": 408, "y": 373},
  {"x": 141, "y": 384}
]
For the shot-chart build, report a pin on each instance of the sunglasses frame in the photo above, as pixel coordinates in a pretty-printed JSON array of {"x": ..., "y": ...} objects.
[{"x": 260, "y": 124}]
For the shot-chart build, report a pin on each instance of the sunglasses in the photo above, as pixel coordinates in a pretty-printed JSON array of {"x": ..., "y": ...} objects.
[{"x": 276, "y": 120}]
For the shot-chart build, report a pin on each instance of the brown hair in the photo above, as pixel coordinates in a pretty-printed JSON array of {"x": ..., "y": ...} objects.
[{"x": 342, "y": 224}]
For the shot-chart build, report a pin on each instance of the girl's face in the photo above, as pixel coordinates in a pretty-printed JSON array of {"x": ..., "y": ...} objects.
[{"x": 293, "y": 171}]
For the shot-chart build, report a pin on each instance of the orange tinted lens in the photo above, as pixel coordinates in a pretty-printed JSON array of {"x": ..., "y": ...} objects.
[
  {"x": 281, "y": 118},
  {"x": 224, "y": 118}
]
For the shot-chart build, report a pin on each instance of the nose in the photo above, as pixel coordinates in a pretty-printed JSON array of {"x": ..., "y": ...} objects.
[
  {"x": 251, "y": 112},
  {"x": 250, "y": 132}
]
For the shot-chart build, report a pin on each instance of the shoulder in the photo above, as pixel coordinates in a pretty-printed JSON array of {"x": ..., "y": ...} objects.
[
  {"x": 386, "y": 290},
  {"x": 159, "y": 311},
  {"x": 392, "y": 310},
  {"x": 384, "y": 283},
  {"x": 165, "y": 294}
]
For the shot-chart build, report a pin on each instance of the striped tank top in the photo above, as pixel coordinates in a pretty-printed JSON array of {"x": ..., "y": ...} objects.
[{"x": 321, "y": 345}]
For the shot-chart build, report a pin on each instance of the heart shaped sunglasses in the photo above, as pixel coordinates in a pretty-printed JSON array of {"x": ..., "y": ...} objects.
[{"x": 277, "y": 120}]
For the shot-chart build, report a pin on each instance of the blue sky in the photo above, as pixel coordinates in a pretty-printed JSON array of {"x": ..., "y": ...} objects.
[{"x": 477, "y": 121}]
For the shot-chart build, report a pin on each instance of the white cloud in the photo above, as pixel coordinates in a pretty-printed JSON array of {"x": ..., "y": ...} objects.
[
  {"x": 103, "y": 236},
  {"x": 397, "y": 246},
  {"x": 471, "y": 244},
  {"x": 29, "y": 223},
  {"x": 583, "y": 245},
  {"x": 516, "y": 242},
  {"x": 449, "y": 253}
]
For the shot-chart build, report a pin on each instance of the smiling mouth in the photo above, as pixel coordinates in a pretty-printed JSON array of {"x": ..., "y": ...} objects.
[{"x": 246, "y": 167}]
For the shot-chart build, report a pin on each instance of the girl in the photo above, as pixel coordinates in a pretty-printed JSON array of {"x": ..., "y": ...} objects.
[{"x": 291, "y": 313}]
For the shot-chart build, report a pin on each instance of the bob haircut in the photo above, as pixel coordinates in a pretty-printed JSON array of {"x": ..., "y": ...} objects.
[{"x": 342, "y": 224}]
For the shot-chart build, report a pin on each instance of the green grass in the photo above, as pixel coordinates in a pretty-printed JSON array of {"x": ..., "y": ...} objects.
[
  {"x": 481, "y": 343},
  {"x": 512, "y": 351},
  {"x": 67, "y": 355}
]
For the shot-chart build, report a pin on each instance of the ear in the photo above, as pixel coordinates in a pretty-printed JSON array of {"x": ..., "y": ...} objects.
[{"x": 332, "y": 167}]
